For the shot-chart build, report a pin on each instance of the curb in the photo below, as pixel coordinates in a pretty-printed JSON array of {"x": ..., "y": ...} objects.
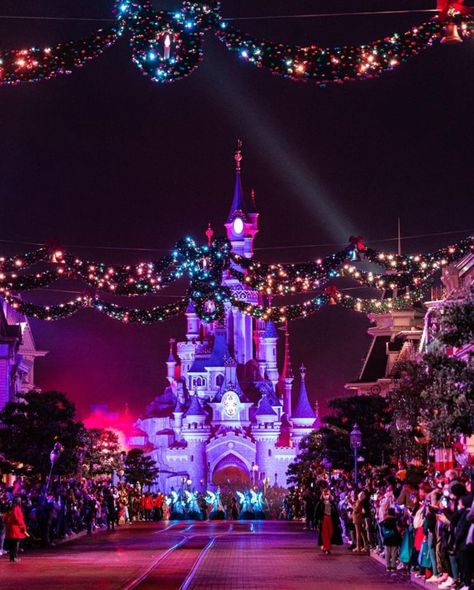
[{"x": 413, "y": 580}]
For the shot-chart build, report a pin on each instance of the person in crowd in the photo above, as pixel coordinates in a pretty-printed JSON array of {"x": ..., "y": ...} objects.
[
  {"x": 392, "y": 539},
  {"x": 358, "y": 518},
  {"x": 15, "y": 529},
  {"x": 327, "y": 519},
  {"x": 3, "y": 509}
]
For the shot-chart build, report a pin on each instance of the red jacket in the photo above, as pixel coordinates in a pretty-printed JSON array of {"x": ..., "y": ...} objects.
[
  {"x": 148, "y": 502},
  {"x": 15, "y": 527}
]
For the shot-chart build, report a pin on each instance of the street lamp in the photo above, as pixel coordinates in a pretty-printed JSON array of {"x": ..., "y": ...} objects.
[
  {"x": 356, "y": 443},
  {"x": 53, "y": 458},
  {"x": 255, "y": 473}
]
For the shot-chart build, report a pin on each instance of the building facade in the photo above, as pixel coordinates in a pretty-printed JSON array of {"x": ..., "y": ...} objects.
[
  {"x": 18, "y": 353},
  {"x": 406, "y": 335},
  {"x": 228, "y": 415}
]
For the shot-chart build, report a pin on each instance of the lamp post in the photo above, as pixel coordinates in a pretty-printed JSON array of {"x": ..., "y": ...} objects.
[
  {"x": 53, "y": 458},
  {"x": 356, "y": 443}
]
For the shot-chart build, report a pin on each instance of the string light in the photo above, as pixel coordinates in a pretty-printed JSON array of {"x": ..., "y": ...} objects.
[
  {"x": 207, "y": 266},
  {"x": 167, "y": 46}
]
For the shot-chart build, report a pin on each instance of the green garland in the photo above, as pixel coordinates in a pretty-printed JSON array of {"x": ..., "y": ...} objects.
[
  {"x": 168, "y": 46},
  {"x": 206, "y": 268}
]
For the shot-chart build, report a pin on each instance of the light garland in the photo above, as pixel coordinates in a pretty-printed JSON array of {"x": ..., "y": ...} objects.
[
  {"x": 207, "y": 266},
  {"x": 35, "y": 65},
  {"x": 168, "y": 46}
]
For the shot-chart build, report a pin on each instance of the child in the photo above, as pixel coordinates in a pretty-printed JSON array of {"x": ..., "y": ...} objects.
[{"x": 391, "y": 539}]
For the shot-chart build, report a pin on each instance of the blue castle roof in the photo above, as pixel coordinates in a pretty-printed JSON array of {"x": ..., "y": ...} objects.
[
  {"x": 195, "y": 408},
  {"x": 265, "y": 408},
  {"x": 270, "y": 330},
  {"x": 303, "y": 408}
]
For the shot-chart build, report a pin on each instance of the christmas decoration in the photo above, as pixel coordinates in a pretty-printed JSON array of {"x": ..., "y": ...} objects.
[
  {"x": 34, "y": 64},
  {"x": 341, "y": 64},
  {"x": 205, "y": 267},
  {"x": 167, "y": 46}
]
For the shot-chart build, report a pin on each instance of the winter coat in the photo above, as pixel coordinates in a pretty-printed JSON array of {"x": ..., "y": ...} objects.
[
  {"x": 319, "y": 517},
  {"x": 15, "y": 523}
]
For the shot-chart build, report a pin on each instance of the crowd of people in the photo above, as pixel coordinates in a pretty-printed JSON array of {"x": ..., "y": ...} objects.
[
  {"x": 423, "y": 522},
  {"x": 32, "y": 515}
]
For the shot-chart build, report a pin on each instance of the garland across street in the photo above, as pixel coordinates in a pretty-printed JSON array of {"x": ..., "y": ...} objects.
[
  {"x": 167, "y": 46},
  {"x": 403, "y": 281}
]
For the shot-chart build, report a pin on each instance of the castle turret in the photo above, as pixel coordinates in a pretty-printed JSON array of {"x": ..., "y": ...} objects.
[
  {"x": 265, "y": 414},
  {"x": 269, "y": 343},
  {"x": 171, "y": 363},
  {"x": 195, "y": 414},
  {"x": 286, "y": 377},
  {"x": 303, "y": 417},
  {"x": 242, "y": 221},
  {"x": 192, "y": 320}
]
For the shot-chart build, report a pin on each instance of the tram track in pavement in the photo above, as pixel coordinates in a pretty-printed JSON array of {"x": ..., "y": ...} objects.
[{"x": 176, "y": 568}]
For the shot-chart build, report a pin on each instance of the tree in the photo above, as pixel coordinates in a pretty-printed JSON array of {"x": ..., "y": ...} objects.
[
  {"x": 373, "y": 415},
  {"x": 457, "y": 324},
  {"x": 32, "y": 425},
  {"x": 140, "y": 468},
  {"x": 406, "y": 401},
  {"x": 302, "y": 472},
  {"x": 102, "y": 453},
  {"x": 448, "y": 399},
  {"x": 434, "y": 396}
]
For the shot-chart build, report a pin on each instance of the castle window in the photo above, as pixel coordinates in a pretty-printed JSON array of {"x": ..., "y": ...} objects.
[
  {"x": 192, "y": 458},
  {"x": 219, "y": 380},
  {"x": 269, "y": 452},
  {"x": 199, "y": 382}
]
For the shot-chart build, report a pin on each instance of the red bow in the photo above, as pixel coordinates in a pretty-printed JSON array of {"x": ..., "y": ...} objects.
[
  {"x": 357, "y": 242},
  {"x": 331, "y": 291},
  {"x": 457, "y": 6}
]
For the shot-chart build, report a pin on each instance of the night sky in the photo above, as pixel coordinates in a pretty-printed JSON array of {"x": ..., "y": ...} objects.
[{"x": 108, "y": 163}]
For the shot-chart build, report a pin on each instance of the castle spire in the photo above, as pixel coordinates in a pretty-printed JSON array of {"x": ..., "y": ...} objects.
[
  {"x": 286, "y": 378},
  {"x": 239, "y": 205},
  {"x": 287, "y": 371},
  {"x": 303, "y": 410}
]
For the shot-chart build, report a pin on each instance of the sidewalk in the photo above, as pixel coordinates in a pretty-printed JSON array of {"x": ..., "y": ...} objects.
[{"x": 413, "y": 580}]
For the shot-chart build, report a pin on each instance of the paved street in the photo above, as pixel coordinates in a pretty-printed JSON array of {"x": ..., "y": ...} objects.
[{"x": 195, "y": 556}]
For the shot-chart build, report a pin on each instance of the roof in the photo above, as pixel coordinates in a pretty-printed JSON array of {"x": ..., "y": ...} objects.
[
  {"x": 195, "y": 408},
  {"x": 270, "y": 330},
  {"x": 265, "y": 408},
  {"x": 303, "y": 408},
  {"x": 238, "y": 202},
  {"x": 162, "y": 405},
  {"x": 220, "y": 350},
  {"x": 376, "y": 362}
]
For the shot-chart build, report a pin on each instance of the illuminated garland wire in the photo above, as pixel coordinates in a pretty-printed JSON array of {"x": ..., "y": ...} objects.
[
  {"x": 34, "y": 64},
  {"x": 337, "y": 64},
  {"x": 205, "y": 266},
  {"x": 168, "y": 46}
]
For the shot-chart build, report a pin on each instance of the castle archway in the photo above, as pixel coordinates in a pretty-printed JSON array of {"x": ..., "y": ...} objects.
[{"x": 229, "y": 471}]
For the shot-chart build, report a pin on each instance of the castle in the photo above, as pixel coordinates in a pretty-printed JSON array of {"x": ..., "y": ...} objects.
[{"x": 228, "y": 414}]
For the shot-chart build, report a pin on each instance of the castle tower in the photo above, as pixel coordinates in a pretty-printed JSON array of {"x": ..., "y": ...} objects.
[
  {"x": 196, "y": 432},
  {"x": 242, "y": 221},
  {"x": 303, "y": 417},
  {"x": 241, "y": 227},
  {"x": 269, "y": 343},
  {"x": 286, "y": 378},
  {"x": 192, "y": 321},
  {"x": 171, "y": 364}
]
